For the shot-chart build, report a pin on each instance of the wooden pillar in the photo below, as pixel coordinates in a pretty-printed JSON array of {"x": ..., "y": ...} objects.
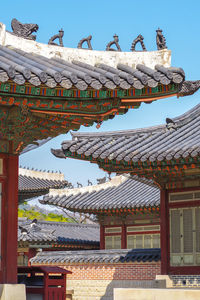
[
  {"x": 123, "y": 242},
  {"x": 9, "y": 213},
  {"x": 102, "y": 237},
  {"x": 164, "y": 231}
]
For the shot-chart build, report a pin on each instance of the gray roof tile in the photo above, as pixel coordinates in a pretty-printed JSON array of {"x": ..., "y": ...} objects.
[
  {"x": 24, "y": 67},
  {"x": 38, "y": 231},
  {"x": 147, "y": 144},
  {"x": 100, "y": 256},
  {"x": 33, "y": 183},
  {"x": 120, "y": 192}
]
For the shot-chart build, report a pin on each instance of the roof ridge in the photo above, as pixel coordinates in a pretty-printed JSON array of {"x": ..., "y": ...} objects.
[
  {"x": 66, "y": 223},
  {"x": 112, "y": 58},
  {"x": 117, "y": 132},
  {"x": 34, "y": 173},
  {"x": 115, "y": 181}
]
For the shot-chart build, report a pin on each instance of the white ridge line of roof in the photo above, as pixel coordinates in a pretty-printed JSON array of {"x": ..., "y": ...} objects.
[
  {"x": 115, "y": 181},
  {"x": 92, "y": 57},
  {"x": 41, "y": 174}
]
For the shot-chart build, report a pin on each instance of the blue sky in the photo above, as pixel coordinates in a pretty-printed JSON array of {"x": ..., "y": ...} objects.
[{"x": 102, "y": 19}]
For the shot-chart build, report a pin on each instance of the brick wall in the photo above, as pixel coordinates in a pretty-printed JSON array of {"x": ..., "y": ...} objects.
[
  {"x": 120, "y": 271},
  {"x": 97, "y": 281}
]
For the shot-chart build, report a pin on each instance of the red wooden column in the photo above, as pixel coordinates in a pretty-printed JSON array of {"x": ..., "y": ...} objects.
[
  {"x": 9, "y": 213},
  {"x": 123, "y": 242},
  {"x": 164, "y": 231},
  {"x": 102, "y": 237}
]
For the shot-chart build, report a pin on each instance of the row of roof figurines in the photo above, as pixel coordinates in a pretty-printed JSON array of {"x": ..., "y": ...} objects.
[
  {"x": 69, "y": 184},
  {"x": 26, "y": 30}
]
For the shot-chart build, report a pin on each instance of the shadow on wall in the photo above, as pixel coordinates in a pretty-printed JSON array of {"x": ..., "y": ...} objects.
[
  {"x": 131, "y": 284},
  {"x": 138, "y": 269}
]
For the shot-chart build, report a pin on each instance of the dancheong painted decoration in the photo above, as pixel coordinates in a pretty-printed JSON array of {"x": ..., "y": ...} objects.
[
  {"x": 47, "y": 90},
  {"x": 168, "y": 154}
]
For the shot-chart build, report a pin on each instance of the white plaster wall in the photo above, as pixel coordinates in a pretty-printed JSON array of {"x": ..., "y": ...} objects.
[{"x": 92, "y": 57}]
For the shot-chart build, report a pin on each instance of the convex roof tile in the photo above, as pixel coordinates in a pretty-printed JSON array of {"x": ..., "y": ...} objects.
[{"x": 119, "y": 192}]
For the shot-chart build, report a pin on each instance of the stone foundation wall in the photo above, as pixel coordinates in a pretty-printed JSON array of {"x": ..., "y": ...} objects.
[
  {"x": 103, "y": 289},
  {"x": 185, "y": 281}
]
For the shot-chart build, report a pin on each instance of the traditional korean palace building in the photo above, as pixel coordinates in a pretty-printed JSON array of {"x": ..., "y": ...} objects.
[
  {"x": 33, "y": 183},
  {"x": 168, "y": 156},
  {"x": 36, "y": 235},
  {"x": 46, "y": 90},
  {"x": 126, "y": 208},
  {"x": 128, "y": 212}
]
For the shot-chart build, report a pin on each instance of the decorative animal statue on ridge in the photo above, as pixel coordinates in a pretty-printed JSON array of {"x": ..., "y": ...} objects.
[
  {"x": 115, "y": 42},
  {"x": 24, "y": 30},
  {"x": 57, "y": 36},
  {"x": 170, "y": 124},
  {"x": 79, "y": 185},
  {"x": 101, "y": 180},
  {"x": 85, "y": 40},
  {"x": 160, "y": 40},
  {"x": 70, "y": 185},
  {"x": 139, "y": 39},
  {"x": 89, "y": 182}
]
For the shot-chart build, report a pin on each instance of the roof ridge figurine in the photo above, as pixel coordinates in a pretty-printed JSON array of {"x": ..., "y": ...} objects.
[
  {"x": 89, "y": 182},
  {"x": 85, "y": 40},
  {"x": 139, "y": 39},
  {"x": 24, "y": 30},
  {"x": 160, "y": 40},
  {"x": 57, "y": 36},
  {"x": 114, "y": 42},
  {"x": 170, "y": 124},
  {"x": 101, "y": 180}
]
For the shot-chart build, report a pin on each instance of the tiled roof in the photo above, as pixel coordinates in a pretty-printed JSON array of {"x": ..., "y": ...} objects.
[
  {"x": 24, "y": 67},
  {"x": 47, "y": 232},
  {"x": 156, "y": 143},
  {"x": 97, "y": 256},
  {"x": 119, "y": 192},
  {"x": 125, "y": 78},
  {"x": 33, "y": 183}
]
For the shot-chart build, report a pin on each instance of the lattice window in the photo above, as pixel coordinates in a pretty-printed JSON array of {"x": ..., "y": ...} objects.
[
  {"x": 187, "y": 231},
  {"x": 113, "y": 242},
  {"x": 143, "y": 228},
  {"x": 185, "y": 236},
  {"x": 156, "y": 240},
  {"x": 113, "y": 229},
  {"x": 188, "y": 196},
  {"x": 141, "y": 241},
  {"x": 147, "y": 241},
  {"x": 175, "y": 231}
]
